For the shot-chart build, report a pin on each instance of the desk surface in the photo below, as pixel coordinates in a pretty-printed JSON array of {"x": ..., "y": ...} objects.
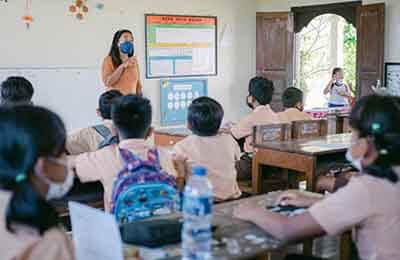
[
  {"x": 236, "y": 239},
  {"x": 182, "y": 131},
  {"x": 315, "y": 146}
]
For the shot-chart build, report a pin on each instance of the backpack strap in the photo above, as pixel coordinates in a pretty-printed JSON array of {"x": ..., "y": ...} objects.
[
  {"x": 110, "y": 140},
  {"x": 129, "y": 158},
  {"x": 102, "y": 130},
  {"x": 153, "y": 156}
]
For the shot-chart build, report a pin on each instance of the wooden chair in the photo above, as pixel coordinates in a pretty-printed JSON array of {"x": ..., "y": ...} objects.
[
  {"x": 309, "y": 128},
  {"x": 264, "y": 134}
]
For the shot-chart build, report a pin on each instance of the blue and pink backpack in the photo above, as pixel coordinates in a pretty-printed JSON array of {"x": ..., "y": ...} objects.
[{"x": 142, "y": 189}]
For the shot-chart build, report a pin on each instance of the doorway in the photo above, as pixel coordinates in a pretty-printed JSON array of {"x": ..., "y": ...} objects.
[{"x": 328, "y": 41}]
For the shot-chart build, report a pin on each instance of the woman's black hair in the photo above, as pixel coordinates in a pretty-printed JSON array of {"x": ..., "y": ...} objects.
[
  {"x": 27, "y": 133},
  {"x": 377, "y": 118},
  {"x": 114, "y": 50}
]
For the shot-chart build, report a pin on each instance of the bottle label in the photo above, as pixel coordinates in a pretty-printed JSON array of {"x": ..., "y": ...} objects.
[{"x": 198, "y": 206}]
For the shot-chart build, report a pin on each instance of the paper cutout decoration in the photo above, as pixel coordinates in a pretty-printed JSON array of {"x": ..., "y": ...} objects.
[
  {"x": 27, "y": 18},
  {"x": 79, "y": 8},
  {"x": 100, "y": 6}
]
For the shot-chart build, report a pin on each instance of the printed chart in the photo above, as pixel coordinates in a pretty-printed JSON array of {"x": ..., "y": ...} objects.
[
  {"x": 180, "y": 46},
  {"x": 176, "y": 97}
]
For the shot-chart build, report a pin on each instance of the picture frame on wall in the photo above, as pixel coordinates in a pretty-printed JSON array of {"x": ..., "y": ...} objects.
[{"x": 392, "y": 77}]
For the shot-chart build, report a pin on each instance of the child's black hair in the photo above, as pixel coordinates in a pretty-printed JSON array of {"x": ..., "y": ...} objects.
[
  {"x": 261, "y": 89},
  {"x": 336, "y": 70},
  {"x": 27, "y": 133},
  {"x": 132, "y": 115},
  {"x": 105, "y": 101},
  {"x": 377, "y": 118},
  {"x": 16, "y": 91},
  {"x": 205, "y": 116},
  {"x": 291, "y": 97}
]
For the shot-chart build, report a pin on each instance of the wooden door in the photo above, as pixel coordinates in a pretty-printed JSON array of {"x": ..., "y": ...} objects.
[
  {"x": 370, "y": 46},
  {"x": 275, "y": 51}
]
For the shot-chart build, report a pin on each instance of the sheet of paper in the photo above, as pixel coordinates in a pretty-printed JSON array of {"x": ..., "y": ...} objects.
[{"x": 95, "y": 234}]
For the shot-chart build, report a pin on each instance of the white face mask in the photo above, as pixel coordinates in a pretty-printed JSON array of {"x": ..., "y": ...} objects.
[
  {"x": 339, "y": 82},
  {"x": 58, "y": 190},
  {"x": 355, "y": 162}
]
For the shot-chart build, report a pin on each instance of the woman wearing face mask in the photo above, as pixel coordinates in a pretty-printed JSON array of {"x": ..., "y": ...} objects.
[
  {"x": 32, "y": 141},
  {"x": 120, "y": 69},
  {"x": 338, "y": 90},
  {"x": 369, "y": 203}
]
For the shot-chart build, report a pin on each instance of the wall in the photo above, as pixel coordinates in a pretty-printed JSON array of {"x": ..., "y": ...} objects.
[
  {"x": 392, "y": 34},
  {"x": 58, "y": 39}
]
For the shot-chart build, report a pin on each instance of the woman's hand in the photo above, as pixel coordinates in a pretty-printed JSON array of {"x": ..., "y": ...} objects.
[{"x": 296, "y": 198}]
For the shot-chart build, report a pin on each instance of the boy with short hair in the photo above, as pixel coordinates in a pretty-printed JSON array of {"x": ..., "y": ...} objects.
[
  {"x": 132, "y": 117},
  {"x": 292, "y": 100},
  {"x": 93, "y": 138},
  {"x": 258, "y": 99},
  {"x": 206, "y": 147},
  {"x": 16, "y": 91}
]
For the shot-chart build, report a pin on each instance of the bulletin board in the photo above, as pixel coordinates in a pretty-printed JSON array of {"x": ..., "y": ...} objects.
[
  {"x": 176, "y": 97},
  {"x": 180, "y": 46}
]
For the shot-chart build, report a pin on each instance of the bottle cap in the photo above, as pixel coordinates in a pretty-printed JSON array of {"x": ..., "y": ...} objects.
[{"x": 199, "y": 171}]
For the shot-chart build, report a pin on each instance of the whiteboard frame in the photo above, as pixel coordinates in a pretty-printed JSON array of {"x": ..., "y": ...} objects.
[{"x": 181, "y": 76}]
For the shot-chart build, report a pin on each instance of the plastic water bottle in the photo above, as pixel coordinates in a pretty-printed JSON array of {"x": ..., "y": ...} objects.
[{"x": 197, "y": 214}]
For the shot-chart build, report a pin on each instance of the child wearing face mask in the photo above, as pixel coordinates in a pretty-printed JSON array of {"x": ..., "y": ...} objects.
[
  {"x": 292, "y": 99},
  {"x": 368, "y": 204},
  {"x": 338, "y": 90},
  {"x": 32, "y": 141},
  {"x": 258, "y": 99}
]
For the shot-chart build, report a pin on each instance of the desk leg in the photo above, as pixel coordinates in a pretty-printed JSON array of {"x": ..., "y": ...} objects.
[
  {"x": 345, "y": 246},
  {"x": 308, "y": 247},
  {"x": 311, "y": 173},
  {"x": 256, "y": 173}
]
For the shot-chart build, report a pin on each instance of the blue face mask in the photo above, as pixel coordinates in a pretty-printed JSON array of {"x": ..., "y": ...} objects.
[{"x": 127, "y": 48}]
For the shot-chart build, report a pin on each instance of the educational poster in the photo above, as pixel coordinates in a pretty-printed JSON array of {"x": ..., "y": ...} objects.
[
  {"x": 180, "y": 46},
  {"x": 176, "y": 97},
  {"x": 392, "y": 78}
]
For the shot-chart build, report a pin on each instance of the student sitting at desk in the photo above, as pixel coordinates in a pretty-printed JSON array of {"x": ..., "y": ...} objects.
[
  {"x": 258, "y": 99},
  {"x": 132, "y": 116},
  {"x": 206, "y": 147},
  {"x": 16, "y": 91},
  {"x": 32, "y": 171},
  {"x": 292, "y": 100},
  {"x": 369, "y": 202},
  {"x": 93, "y": 138}
]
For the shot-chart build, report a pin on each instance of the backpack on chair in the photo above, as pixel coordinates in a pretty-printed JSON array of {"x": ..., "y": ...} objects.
[
  {"x": 142, "y": 189},
  {"x": 108, "y": 137}
]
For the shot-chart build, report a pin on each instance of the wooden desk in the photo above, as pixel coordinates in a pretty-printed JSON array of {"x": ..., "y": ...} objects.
[
  {"x": 233, "y": 234},
  {"x": 170, "y": 136},
  {"x": 297, "y": 155}
]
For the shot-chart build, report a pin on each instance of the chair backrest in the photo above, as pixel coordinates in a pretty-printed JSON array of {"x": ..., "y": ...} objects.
[
  {"x": 270, "y": 133},
  {"x": 309, "y": 128}
]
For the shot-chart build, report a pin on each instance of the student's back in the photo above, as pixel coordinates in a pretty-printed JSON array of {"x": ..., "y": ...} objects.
[
  {"x": 132, "y": 118},
  {"x": 292, "y": 100},
  {"x": 217, "y": 152},
  {"x": 93, "y": 138}
]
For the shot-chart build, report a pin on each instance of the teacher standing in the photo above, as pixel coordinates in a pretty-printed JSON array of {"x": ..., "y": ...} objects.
[{"x": 120, "y": 69}]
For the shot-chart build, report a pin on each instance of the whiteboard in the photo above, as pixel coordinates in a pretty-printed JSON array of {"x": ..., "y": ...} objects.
[
  {"x": 180, "y": 46},
  {"x": 70, "y": 92}
]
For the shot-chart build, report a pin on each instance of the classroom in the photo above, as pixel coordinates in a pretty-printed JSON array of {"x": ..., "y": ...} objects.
[{"x": 196, "y": 130}]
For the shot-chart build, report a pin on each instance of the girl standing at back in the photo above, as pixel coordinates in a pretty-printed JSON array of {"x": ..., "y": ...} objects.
[
  {"x": 32, "y": 171},
  {"x": 338, "y": 90}
]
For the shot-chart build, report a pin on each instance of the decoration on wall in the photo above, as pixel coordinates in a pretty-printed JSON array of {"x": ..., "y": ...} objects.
[
  {"x": 100, "y": 6},
  {"x": 27, "y": 18},
  {"x": 79, "y": 8}
]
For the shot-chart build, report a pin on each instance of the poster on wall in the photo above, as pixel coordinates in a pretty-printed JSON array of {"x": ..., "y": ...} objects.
[
  {"x": 392, "y": 78},
  {"x": 176, "y": 97},
  {"x": 180, "y": 46}
]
